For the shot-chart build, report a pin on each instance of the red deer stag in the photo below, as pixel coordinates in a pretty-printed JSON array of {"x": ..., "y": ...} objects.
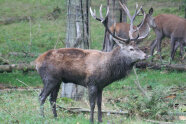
[
  {"x": 90, "y": 68},
  {"x": 122, "y": 29},
  {"x": 170, "y": 26}
]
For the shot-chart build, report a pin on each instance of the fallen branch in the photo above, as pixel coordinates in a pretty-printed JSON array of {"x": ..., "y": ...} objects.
[
  {"x": 158, "y": 122},
  {"x": 84, "y": 110},
  {"x": 19, "y": 89},
  {"x": 178, "y": 67},
  {"x": 23, "y": 54},
  {"x": 23, "y": 67}
]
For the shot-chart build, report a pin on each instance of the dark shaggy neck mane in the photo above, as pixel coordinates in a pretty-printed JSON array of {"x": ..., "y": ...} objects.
[{"x": 119, "y": 65}]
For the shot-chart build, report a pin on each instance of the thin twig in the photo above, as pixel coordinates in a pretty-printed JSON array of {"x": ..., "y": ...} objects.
[
  {"x": 56, "y": 42},
  {"x": 27, "y": 85},
  {"x": 30, "y": 32},
  {"x": 34, "y": 90},
  {"x": 139, "y": 86}
]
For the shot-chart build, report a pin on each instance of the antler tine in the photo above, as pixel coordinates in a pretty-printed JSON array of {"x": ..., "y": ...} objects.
[
  {"x": 139, "y": 9},
  {"x": 107, "y": 11},
  {"x": 144, "y": 15},
  {"x": 100, "y": 12},
  {"x": 93, "y": 14},
  {"x": 136, "y": 12},
  {"x": 136, "y": 5},
  {"x": 126, "y": 10}
]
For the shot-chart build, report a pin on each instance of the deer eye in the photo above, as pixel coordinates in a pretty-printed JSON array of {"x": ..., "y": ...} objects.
[{"x": 131, "y": 49}]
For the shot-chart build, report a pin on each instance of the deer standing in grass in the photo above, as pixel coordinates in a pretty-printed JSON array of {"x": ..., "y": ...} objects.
[
  {"x": 90, "y": 68},
  {"x": 170, "y": 26}
]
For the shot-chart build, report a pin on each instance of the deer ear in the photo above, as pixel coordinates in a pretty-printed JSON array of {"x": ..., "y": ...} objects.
[{"x": 150, "y": 11}]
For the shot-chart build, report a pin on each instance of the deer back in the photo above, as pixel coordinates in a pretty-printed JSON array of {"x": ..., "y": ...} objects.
[{"x": 169, "y": 24}]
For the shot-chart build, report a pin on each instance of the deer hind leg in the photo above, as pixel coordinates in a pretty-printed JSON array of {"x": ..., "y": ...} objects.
[
  {"x": 53, "y": 97},
  {"x": 181, "y": 51},
  {"x": 49, "y": 85},
  {"x": 178, "y": 44},
  {"x": 152, "y": 47},
  {"x": 173, "y": 42}
]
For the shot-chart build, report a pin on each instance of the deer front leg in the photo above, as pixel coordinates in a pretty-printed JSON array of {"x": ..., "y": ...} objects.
[
  {"x": 159, "y": 39},
  {"x": 92, "y": 90},
  {"x": 99, "y": 100}
]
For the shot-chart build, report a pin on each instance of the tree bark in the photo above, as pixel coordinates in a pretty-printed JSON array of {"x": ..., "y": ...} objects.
[
  {"x": 116, "y": 15},
  {"x": 185, "y": 10},
  {"x": 77, "y": 36}
]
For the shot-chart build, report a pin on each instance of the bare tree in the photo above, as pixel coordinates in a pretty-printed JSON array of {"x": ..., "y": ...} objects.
[
  {"x": 116, "y": 14},
  {"x": 77, "y": 36},
  {"x": 184, "y": 3}
]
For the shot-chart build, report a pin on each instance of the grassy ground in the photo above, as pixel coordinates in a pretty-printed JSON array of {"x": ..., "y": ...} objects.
[{"x": 23, "y": 107}]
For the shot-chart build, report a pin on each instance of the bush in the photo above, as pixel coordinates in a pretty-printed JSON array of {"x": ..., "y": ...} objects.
[{"x": 157, "y": 108}]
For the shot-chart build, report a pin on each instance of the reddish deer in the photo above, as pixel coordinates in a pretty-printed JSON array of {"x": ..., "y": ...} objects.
[
  {"x": 122, "y": 29},
  {"x": 90, "y": 68},
  {"x": 170, "y": 26}
]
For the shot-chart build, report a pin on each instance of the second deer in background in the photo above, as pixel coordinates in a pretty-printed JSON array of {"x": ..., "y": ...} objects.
[{"x": 170, "y": 26}]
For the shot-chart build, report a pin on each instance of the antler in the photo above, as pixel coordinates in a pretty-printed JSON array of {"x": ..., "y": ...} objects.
[
  {"x": 132, "y": 18},
  {"x": 143, "y": 28},
  {"x": 105, "y": 23}
]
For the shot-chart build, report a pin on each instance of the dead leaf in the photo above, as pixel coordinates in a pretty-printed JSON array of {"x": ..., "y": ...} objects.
[{"x": 182, "y": 118}]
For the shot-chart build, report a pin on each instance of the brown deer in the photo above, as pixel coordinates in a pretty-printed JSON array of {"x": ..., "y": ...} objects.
[
  {"x": 90, "y": 68},
  {"x": 170, "y": 26},
  {"x": 122, "y": 29}
]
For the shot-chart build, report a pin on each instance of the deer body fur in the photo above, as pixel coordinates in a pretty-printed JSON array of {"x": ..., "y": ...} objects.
[{"x": 90, "y": 68}]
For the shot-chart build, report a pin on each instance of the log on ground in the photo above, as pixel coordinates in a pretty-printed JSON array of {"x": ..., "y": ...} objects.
[
  {"x": 84, "y": 110},
  {"x": 23, "y": 67},
  {"x": 178, "y": 67}
]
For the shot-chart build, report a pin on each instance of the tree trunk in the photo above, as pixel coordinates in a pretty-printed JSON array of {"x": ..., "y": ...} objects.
[
  {"x": 77, "y": 36},
  {"x": 185, "y": 10},
  {"x": 116, "y": 15}
]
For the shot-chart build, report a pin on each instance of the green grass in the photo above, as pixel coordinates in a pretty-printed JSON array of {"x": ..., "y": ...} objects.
[
  {"x": 24, "y": 106},
  {"x": 11, "y": 79},
  {"x": 153, "y": 78}
]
